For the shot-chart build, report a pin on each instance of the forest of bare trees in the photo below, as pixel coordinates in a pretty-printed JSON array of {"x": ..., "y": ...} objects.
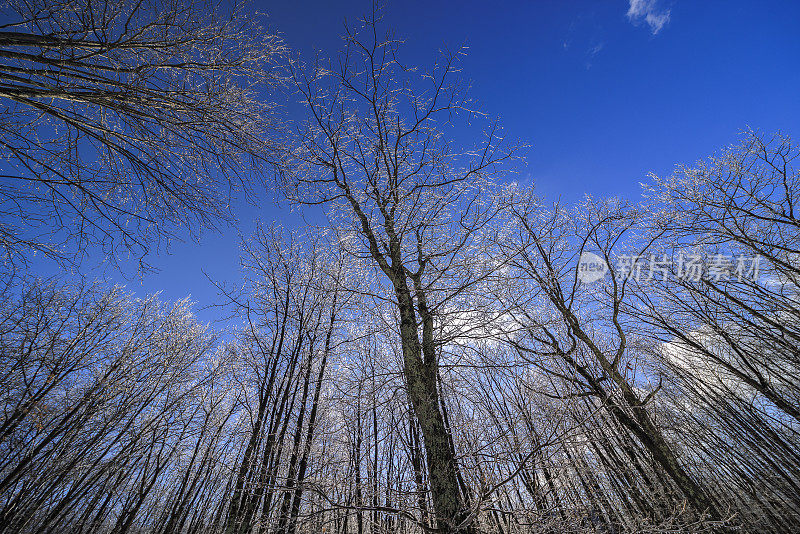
[{"x": 429, "y": 359}]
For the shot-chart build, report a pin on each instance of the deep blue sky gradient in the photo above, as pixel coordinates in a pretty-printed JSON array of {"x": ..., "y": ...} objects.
[{"x": 602, "y": 100}]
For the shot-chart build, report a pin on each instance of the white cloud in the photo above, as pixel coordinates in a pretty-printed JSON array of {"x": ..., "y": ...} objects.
[{"x": 649, "y": 12}]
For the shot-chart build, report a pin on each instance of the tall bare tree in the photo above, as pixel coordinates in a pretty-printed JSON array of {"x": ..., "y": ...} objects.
[{"x": 375, "y": 149}]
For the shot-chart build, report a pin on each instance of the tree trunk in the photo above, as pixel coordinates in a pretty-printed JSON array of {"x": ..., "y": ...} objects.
[{"x": 420, "y": 377}]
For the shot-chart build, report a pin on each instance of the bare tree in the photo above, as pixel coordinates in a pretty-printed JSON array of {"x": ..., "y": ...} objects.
[
  {"x": 736, "y": 214},
  {"x": 375, "y": 149},
  {"x": 578, "y": 333},
  {"x": 289, "y": 307},
  {"x": 125, "y": 120},
  {"x": 98, "y": 395}
]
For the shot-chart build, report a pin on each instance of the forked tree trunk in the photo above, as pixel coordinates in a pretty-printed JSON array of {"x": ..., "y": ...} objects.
[{"x": 420, "y": 375}]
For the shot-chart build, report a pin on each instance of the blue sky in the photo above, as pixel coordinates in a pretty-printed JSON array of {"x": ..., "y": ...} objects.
[{"x": 605, "y": 92}]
